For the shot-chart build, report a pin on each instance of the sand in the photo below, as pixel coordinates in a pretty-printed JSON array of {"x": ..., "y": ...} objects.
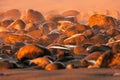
[{"x": 74, "y": 74}]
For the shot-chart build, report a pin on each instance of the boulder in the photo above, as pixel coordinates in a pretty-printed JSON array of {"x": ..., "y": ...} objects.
[
  {"x": 16, "y": 25},
  {"x": 70, "y": 13},
  {"x": 32, "y": 16},
  {"x": 32, "y": 51},
  {"x": 13, "y": 38},
  {"x": 12, "y": 14},
  {"x": 102, "y": 21}
]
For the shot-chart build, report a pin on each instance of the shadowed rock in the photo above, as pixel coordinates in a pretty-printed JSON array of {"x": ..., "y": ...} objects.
[
  {"x": 5, "y": 23},
  {"x": 12, "y": 14},
  {"x": 32, "y": 16},
  {"x": 70, "y": 13}
]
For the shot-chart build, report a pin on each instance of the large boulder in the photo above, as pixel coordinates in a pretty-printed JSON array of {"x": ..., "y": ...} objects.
[
  {"x": 32, "y": 51},
  {"x": 102, "y": 21}
]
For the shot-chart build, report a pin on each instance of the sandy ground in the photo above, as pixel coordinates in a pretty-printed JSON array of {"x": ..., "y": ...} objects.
[{"x": 75, "y": 74}]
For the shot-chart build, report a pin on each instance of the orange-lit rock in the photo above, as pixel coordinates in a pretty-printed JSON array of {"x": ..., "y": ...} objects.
[
  {"x": 75, "y": 29},
  {"x": 74, "y": 39},
  {"x": 41, "y": 62},
  {"x": 55, "y": 66},
  {"x": 17, "y": 25},
  {"x": 31, "y": 52},
  {"x": 13, "y": 38},
  {"x": 101, "y": 21}
]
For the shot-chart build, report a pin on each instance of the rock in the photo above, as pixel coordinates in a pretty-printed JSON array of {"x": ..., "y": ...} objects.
[
  {"x": 115, "y": 61},
  {"x": 30, "y": 27},
  {"x": 54, "y": 17},
  {"x": 48, "y": 26},
  {"x": 32, "y": 16},
  {"x": 102, "y": 21},
  {"x": 17, "y": 25},
  {"x": 64, "y": 25},
  {"x": 74, "y": 39},
  {"x": 13, "y": 14},
  {"x": 75, "y": 29},
  {"x": 93, "y": 56},
  {"x": 5, "y": 23},
  {"x": 14, "y": 38},
  {"x": 70, "y": 13},
  {"x": 31, "y": 51},
  {"x": 103, "y": 60},
  {"x": 42, "y": 62},
  {"x": 36, "y": 34},
  {"x": 49, "y": 38},
  {"x": 3, "y": 29},
  {"x": 70, "y": 66},
  {"x": 55, "y": 66}
]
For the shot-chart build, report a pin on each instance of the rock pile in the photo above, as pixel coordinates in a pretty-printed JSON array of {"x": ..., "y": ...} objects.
[{"x": 58, "y": 41}]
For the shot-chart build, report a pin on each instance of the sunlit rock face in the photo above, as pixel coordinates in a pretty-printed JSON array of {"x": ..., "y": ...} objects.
[
  {"x": 32, "y": 51},
  {"x": 42, "y": 62},
  {"x": 55, "y": 66},
  {"x": 84, "y": 16},
  {"x": 3, "y": 29},
  {"x": 101, "y": 21},
  {"x": 12, "y": 14},
  {"x": 33, "y": 16}
]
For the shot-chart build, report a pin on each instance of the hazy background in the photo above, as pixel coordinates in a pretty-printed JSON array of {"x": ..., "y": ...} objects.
[{"x": 60, "y": 5}]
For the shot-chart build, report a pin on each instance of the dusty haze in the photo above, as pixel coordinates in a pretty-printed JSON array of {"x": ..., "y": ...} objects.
[{"x": 60, "y": 5}]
